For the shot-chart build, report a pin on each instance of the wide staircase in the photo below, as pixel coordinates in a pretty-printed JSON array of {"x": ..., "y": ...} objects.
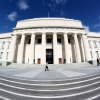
[
  {"x": 86, "y": 88},
  {"x": 52, "y": 66}
]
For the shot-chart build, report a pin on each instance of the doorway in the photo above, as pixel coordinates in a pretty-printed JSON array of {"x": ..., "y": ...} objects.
[
  {"x": 49, "y": 56},
  {"x": 39, "y": 61},
  {"x": 60, "y": 61}
]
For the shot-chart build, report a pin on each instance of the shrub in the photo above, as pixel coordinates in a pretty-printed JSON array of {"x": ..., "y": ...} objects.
[{"x": 0, "y": 64}]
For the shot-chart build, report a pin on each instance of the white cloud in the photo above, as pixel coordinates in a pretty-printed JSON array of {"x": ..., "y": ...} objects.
[
  {"x": 99, "y": 17},
  {"x": 12, "y": 16},
  {"x": 96, "y": 25},
  {"x": 86, "y": 28},
  {"x": 62, "y": 13},
  {"x": 61, "y": 1},
  {"x": 52, "y": 6},
  {"x": 23, "y": 5},
  {"x": 43, "y": 1},
  {"x": 6, "y": 27},
  {"x": 54, "y": 3}
]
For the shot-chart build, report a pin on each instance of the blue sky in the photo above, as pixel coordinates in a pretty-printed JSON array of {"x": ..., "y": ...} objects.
[{"x": 11, "y": 11}]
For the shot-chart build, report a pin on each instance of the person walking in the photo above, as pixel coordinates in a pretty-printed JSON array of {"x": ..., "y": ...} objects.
[
  {"x": 97, "y": 62},
  {"x": 46, "y": 67}
]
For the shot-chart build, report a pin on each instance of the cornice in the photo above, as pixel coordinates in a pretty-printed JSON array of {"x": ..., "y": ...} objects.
[{"x": 40, "y": 27}]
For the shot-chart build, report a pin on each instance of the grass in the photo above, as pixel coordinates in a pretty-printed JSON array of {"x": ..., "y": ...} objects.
[{"x": 0, "y": 64}]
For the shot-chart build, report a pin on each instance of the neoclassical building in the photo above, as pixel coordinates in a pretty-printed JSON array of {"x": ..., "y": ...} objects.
[{"x": 52, "y": 40}]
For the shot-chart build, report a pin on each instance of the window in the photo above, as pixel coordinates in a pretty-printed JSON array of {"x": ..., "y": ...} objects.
[
  {"x": 68, "y": 40},
  {"x": 1, "y": 55},
  {"x": 7, "y": 56},
  {"x": 94, "y": 42},
  {"x": 29, "y": 41},
  {"x": 58, "y": 40},
  {"x": 97, "y": 55},
  {"x": 48, "y": 40},
  {"x": 89, "y": 44},
  {"x": 8, "y": 45},
  {"x": 39, "y": 41},
  {"x": 3, "y": 45},
  {"x": 91, "y": 54}
]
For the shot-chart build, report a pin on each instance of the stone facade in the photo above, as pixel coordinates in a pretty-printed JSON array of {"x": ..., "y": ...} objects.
[{"x": 52, "y": 40}]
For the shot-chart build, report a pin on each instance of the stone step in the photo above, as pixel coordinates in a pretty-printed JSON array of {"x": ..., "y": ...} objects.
[
  {"x": 81, "y": 64},
  {"x": 73, "y": 89},
  {"x": 77, "y": 96},
  {"x": 50, "y": 86},
  {"x": 68, "y": 81},
  {"x": 58, "y": 92}
]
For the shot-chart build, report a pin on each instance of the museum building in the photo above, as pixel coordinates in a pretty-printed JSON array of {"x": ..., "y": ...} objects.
[{"x": 52, "y": 40}]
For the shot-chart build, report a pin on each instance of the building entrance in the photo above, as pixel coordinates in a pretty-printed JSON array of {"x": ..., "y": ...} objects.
[{"x": 49, "y": 56}]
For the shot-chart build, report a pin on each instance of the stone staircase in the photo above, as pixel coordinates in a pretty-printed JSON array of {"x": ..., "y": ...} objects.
[
  {"x": 52, "y": 66},
  {"x": 86, "y": 88}
]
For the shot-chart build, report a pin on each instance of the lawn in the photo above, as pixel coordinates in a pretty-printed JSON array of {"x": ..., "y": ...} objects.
[{"x": 0, "y": 64}]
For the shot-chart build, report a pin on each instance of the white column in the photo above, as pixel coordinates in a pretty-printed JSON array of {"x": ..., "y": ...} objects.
[
  {"x": 78, "y": 57},
  {"x": 86, "y": 48},
  {"x": 5, "y": 52},
  {"x": 13, "y": 48},
  {"x": 93, "y": 50},
  {"x": 22, "y": 48},
  {"x": 32, "y": 49},
  {"x": 0, "y": 44},
  {"x": 55, "y": 58},
  {"x": 66, "y": 47},
  {"x": 82, "y": 49},
  {"x": 43, "y": 52},
  {"x": 98, "y": 47}
]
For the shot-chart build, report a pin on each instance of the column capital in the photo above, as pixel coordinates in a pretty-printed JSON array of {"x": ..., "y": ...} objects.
[
  {"x": 32, "y": 33},
  {"x": 75, "y": 33},
  {"x": 55, "y": 32},
  {"x": 14, "y": 34},
  {"x": 43, "y": 32},
  {"x": 23, "y": 34},
  {"x": 65, "y": 32}
]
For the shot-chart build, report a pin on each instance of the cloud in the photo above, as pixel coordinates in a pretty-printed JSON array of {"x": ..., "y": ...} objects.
[
  {"x": 6, "y": 27},
  {"x": 86, "y": 28},
  {"x": 12, "y": 16},
  {"x": 62, "y": 13},
  {"x": 43, "y": 1},
  {"x": 96, "y": 25},
  {"x": 61, "y": 1},
  {"x": 52, "y": 7},
  {"x": 99, "y": 17},
  {"x": 53, "y": 4},
  {"x": 23, "y": 5}
]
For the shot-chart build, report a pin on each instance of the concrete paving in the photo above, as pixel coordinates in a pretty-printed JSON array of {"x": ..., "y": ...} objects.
[{"x": 53, "y": 74}]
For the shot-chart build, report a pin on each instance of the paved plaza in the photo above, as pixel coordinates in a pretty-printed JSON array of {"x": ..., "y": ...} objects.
[{"x": 38, "y": 73}]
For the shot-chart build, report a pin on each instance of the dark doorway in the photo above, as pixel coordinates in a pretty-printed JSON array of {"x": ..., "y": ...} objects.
[
  {"x": 49, "y": 56},
  {"x": 39, "y": 61},
  {"x": 60, "y": 61}
]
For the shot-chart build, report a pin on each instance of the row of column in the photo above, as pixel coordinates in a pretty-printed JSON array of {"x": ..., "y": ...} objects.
[{"x": 43, "y": 59}]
